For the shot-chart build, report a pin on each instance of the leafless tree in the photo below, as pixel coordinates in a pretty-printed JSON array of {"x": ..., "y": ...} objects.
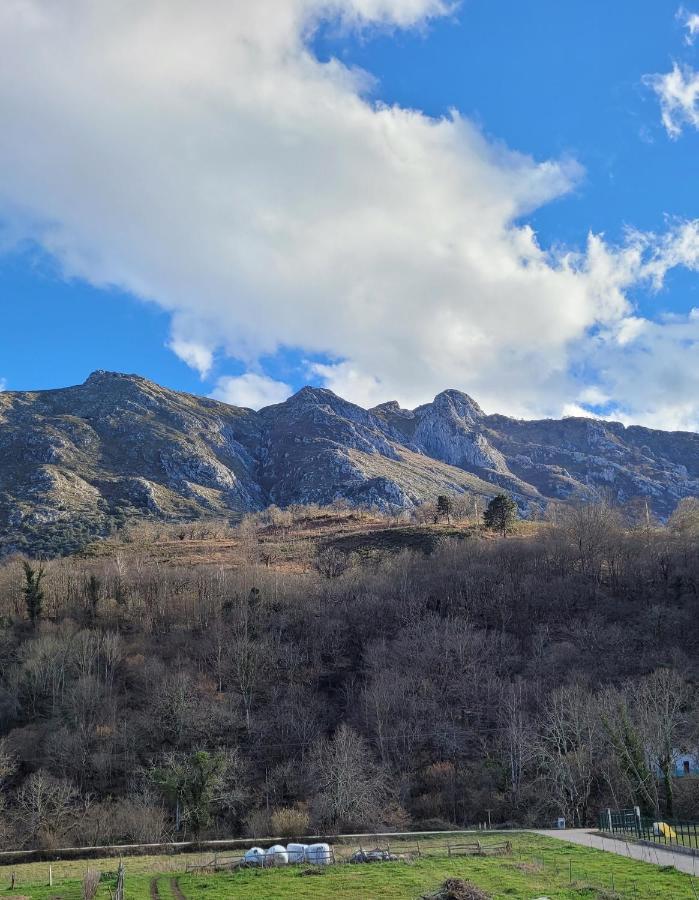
[
  {"x": 593, "y": 529},
  {"x": 349, "y": 790},
  {"x": 48, "y": 807},
  {"x": 331, "y": 562},
  {"x": 662, "y": 703},
  {"x": 685, "y": 518},
  {"x": 567, "y": 751},
  {"x": 517, "y": 738}
]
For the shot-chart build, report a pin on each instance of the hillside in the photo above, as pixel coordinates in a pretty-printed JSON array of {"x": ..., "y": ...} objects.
[
  {"x": 78, "y": 463},
  {"x": 345, "y": 675}
]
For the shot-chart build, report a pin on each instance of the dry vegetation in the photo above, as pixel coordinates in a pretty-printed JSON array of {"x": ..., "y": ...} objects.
[
  {"x": 332, "y": 670},
  {"x": 290, "y": 539}
]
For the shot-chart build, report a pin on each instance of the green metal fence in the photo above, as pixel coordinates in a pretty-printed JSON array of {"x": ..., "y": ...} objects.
[{"x": 630, "y": 823}]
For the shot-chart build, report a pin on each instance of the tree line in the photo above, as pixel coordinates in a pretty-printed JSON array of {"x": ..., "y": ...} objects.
[{"x": 551, "y": 673}]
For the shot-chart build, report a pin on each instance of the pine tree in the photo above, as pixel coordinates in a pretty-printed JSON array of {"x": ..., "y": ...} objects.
[
  {"x": 501, "y": 514},
  {"x": 33, "y": 595},
  {"x": 93, "y": 594},
  {"x": 444, "y": 506}
]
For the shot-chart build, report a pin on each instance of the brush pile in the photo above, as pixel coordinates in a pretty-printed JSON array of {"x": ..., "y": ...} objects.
[{"x": 458, "y": 889}]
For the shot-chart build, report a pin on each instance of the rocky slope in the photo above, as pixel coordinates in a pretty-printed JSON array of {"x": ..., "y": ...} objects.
[{"x": 78, "y": 462}]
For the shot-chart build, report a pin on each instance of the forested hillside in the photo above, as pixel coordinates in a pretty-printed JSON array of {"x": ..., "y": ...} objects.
[{"x": 552, "y": 672}]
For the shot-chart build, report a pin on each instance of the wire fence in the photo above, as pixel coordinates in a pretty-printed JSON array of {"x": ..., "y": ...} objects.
[
  {"x": 631, "y": 825},
  {"x": 352, "y": 854},
  {"x": 554, "y": 867}
]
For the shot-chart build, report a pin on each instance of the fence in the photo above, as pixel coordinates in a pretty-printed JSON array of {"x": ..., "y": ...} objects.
[
  {"x": 581, "y": 874},
  {"x": 565, "y": 871},
  {"x": 629, "y": 823},
  {"x": 356, "y": 854}
]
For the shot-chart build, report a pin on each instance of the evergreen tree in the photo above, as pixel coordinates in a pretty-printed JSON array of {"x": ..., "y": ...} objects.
[
  {"x": 501, "y": 514},
  {"x": 33, "y": 595},
  {"x": 191, "y": 783},
  {"x": 445, "y": 506},
  {"x": 93, "y": 594},
  {"x": 631, "y": 757}
]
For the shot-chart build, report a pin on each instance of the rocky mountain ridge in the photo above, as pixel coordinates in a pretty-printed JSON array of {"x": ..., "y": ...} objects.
[{"x": 78, "y": 462}]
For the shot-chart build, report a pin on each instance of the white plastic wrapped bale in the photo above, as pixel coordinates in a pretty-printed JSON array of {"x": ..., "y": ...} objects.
[
  {"x": 319, "y": 854},
  {"x": 297, "y": 852},
  {"x": 254, "y": 857},
  {"x": 276, "y": 856}
]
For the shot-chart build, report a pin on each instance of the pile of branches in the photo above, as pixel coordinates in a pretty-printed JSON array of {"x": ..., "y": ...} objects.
[{"x": 458, "y": 889}]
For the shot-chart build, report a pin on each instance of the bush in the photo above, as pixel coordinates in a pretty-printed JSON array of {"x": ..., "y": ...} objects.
[
  {"x": 91, "y": 883},
  {"x": 258, "y": 824},
  {"x": 290, "y": 822}
]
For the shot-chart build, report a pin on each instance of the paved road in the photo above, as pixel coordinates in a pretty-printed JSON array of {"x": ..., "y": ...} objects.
[{"x": 660, "y": 856}]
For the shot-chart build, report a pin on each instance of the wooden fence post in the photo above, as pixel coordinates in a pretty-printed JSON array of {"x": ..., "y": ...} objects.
[{"x": 119, "y": 893}]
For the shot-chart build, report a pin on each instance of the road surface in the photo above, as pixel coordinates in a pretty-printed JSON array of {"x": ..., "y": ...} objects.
[{"x": 659, "y": 856}]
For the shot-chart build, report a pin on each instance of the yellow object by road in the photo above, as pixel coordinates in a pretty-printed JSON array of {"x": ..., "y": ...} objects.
[{"x": 664, "y": 829}]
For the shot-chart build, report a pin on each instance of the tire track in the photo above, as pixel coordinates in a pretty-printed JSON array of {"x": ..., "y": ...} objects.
[{"x": 176, "y": 889}]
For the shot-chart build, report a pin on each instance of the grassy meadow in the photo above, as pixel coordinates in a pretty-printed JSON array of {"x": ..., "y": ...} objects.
[{"x": 537, "y": 867}]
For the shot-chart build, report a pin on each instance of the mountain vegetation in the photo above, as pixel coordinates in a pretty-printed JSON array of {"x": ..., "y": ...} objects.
[
  {"x": 303, "y": 671},
  {"x": 85, "y": 461}
]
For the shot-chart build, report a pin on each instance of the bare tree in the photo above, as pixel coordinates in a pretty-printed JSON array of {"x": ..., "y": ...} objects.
[
  {"x": 685, "y": 518},
  {"x": 516, "y": 738},
  {"x": 567, "y": 752},
  {"x": 662, "y": 701},
  {"x": 332, "y": 562},
  {"x": 593, "y": 528},
  {"x": 350, "y": 791},
  {"x": 48, "y": 807},
  {"x": 8, "y": 767}
]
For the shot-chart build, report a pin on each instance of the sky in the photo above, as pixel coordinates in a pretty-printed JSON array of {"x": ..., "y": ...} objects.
[{"x": 383, "y": 197}]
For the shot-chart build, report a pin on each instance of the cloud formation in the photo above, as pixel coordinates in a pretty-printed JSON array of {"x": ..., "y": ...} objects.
[
  {"x": 690, "y": 20},
  {"x": 198, "y": 155},
  {"x": 656, "y": 369},
  {"x": 678, "y": 93},
  {"x": 251, "y": 390},
  {"x": 678, "y": 90}
]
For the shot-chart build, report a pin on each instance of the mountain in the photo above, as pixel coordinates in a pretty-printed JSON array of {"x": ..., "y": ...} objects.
[{"x": 76, "y": 463}]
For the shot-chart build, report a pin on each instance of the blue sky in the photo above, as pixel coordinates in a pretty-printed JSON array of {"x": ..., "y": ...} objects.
[{"x": 566, "y": 83}]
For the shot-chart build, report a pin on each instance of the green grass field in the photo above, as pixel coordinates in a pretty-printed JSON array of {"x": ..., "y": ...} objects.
[{"x": 537, "y": 867}]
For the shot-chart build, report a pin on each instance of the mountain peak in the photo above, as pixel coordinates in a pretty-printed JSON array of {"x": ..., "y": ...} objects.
[
  {"x": 310, "y": 394},
  {"x": 459, "y": 404},
  {"x": 102, "y": 376},
  {"x": 390, "y": 406},
  {"x": 120, "y": 447}
]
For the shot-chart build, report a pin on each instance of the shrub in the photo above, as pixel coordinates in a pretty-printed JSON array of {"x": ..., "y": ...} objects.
[
  {"x": 258, "y": 824},
  {"x": 91, "y": 883},
  {"x": 290, "y": 822}
]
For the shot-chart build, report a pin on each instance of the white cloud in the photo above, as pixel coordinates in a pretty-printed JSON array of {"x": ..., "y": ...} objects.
[
  {"x": 3, "y": 384},
  {"x": 654, "y": 377},
  {"x": 347, "y": 381},
  {"x": 251, "y": 390},
  {"x": 593, "y": 396},
  {"x": 678, "y": 92},
  {"x": 690, "y": 20},
  {"x": 197, "y": 154},
  {"x": 197, "y": 356}
]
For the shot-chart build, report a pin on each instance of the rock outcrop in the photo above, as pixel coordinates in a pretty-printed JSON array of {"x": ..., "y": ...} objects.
[{"x": 77, "y": 463}]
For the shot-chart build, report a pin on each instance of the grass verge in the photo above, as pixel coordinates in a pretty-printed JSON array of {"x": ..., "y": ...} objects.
[{"x": 537, "y": 867}]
